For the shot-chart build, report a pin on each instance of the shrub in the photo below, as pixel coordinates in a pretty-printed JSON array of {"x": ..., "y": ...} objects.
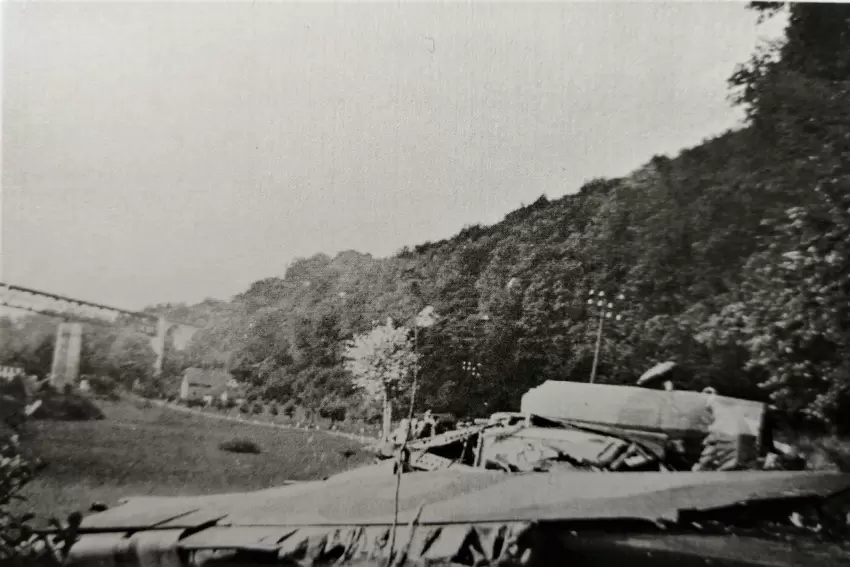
[
  {"x": 150, "y": 389},
  {"x": 240, "y": 445},
  {"x": 67, "y": 407},
  {"x": 15, "y": 473},
  {"x": 102, "y": 385},
  {"x": 273, "y": 409},
  {"x": 258, "y": 408},
  {"x": 20, "y": 544},
  {"x": 332, "y": 410},
  {"x": 289, "y": 408}
]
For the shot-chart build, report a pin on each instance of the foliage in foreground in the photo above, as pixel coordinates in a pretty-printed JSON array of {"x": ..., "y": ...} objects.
[{"x": 20, "y": 542}]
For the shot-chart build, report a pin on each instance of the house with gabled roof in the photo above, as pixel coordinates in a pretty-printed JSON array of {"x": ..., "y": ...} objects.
[{"x": 210, "y": 384}]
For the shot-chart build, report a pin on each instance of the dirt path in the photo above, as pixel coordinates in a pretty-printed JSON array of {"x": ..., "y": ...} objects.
[{"x": 358, "y": 438}]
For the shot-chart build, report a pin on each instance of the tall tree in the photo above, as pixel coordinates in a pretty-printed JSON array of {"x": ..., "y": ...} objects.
[{"x": 381, "y": 362}]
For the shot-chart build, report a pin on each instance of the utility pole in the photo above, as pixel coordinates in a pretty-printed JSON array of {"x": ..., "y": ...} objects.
[{"x": 606, "y": 311}]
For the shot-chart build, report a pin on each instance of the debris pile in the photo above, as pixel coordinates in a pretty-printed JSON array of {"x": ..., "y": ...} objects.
[{"x": 604, "y": 428}]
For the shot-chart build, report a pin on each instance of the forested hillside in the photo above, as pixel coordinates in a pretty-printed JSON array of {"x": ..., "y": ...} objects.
[{"x": 732, "y": 257}]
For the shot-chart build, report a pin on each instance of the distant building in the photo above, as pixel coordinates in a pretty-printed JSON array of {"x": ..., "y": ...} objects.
[
  {"x": 9, "y": 372},
  {"x": 209, "y": 384}
]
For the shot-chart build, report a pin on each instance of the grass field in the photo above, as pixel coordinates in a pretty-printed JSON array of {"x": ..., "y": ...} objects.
[{"x": 141, "y": 450}]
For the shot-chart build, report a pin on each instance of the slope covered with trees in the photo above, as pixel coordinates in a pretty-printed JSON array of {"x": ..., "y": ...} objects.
[{"x": 732, "y": 257}]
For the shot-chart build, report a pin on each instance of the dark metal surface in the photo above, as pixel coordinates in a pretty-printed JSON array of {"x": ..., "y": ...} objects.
[{"x": 472, "y": 497}]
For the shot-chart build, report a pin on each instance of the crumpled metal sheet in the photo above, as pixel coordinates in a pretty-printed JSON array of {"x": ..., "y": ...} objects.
[
  {"x": 530, "y": 448},
  {"x": 156, "y": 548},
  {"x": 730, "y": 443},
  {"x": 453, "y": 512},
  {"x": 414, "y": 545},
  {"x": 445, "y": 438},
  {"x": 428, "y": 462},
  {"x": 233, "y": 537},
  {"x": 462, "y": 497}
]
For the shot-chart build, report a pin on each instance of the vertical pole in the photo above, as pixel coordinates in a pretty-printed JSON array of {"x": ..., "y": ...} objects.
[
  {"x": 388, "y": 415},
  {"x": 598, "y": 344},
  {"x": 415, "y": 369}
]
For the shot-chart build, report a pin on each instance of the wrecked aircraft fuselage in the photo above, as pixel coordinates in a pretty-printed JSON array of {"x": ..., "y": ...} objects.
[{"x": 598, "y": 427}]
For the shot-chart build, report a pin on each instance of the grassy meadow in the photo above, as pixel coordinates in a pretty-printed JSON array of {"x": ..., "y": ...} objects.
[{"x": 149, "y": 450}]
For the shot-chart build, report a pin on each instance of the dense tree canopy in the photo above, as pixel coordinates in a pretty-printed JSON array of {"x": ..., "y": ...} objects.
[{"x": 733, "y": 256}]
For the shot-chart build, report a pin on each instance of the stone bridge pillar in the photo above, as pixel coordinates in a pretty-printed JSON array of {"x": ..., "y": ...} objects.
[
  {"x": 158, "y": 344},
  {"x": 66, "y": 355}
]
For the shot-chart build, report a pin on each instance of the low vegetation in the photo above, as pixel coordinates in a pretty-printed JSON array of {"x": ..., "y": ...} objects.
[
  {"x": 240, "y": 445},
  {"x": 66, "y": 406},
  {"x": 141, "y": 450}
]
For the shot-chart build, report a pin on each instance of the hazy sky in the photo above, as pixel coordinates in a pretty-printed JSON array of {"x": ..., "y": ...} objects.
[{"x": 169, "y": 152}]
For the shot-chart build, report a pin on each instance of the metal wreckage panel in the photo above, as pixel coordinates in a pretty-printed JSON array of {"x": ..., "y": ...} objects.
[
  {"x": 488, "y": 544},
  {"x": 459, "y": 497},
  {"x": 466, "y": 519},
  {"x": 509, "y": 544}
]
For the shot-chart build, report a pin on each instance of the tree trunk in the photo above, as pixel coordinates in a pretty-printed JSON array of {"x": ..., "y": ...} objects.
[{"x": 388, "y": 416}]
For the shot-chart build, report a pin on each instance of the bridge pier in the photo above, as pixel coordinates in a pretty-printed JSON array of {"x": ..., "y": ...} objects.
[
  {"x": 158, "y": 344},
  {"x": 66, "y": 355}
]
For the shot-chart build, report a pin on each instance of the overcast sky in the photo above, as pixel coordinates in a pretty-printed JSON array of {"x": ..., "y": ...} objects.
[{"x": 170, "y": 152}]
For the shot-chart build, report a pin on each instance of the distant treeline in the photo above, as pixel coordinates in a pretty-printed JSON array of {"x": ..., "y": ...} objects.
[{"x": 732, "y": 257}]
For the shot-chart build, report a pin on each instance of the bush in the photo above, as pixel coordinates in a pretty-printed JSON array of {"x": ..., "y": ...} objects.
[
  {"x": 150, "y": 389},
  {"x": 67, "y": 407},
  {"x": 258, "y": 408},
  {"x": 244, "y": 408},
  {"x": 15, "y": 473},
  {"x": 220, "y": 404},
  {"x": 289, "y": 408},
  {"x": 102, "y": 386},
  {"x": 332, "y": 410},
  {"x": 20, "y": 544},
  {"x": 195, "y": 403},
  {"x": 273, "y": 409},
  {"x": 240, "y": 445}
]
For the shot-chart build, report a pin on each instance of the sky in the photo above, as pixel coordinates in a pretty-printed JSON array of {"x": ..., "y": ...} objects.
[{"x": 167, "y": 152}]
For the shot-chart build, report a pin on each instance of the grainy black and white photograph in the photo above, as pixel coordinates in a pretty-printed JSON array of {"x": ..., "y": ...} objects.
[{"x": 417, "y": 283}]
